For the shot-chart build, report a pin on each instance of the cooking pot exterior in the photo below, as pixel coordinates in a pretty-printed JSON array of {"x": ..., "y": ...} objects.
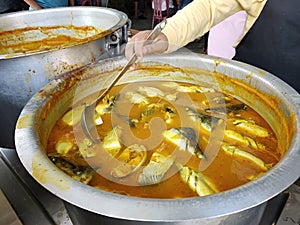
[
  {"x": 250, "y": 216},
  {"x": 271, "y": 97},
  {"x": 23, "y": 74}
]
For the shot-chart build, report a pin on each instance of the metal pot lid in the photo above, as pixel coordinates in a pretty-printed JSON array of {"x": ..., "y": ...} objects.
[{"x": 143, "y": 209}]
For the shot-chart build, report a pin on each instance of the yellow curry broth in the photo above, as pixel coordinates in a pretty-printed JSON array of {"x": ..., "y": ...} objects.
[
  {"x": 224, "y": 170},
  {"x": 43, "y": 38}
]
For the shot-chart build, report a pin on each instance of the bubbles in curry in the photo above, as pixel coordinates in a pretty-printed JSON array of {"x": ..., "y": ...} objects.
[{"x": 165, "y": 140}]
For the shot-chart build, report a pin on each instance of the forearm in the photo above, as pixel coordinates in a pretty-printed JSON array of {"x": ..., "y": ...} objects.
[
  {"x": 200, "y": 15},
  {"x": 33, "y": 4}
]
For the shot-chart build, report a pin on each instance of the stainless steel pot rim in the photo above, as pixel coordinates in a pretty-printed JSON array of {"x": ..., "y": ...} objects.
[
  {"x": 141, "y": 209},
  {"x": 71, "y": 11}
]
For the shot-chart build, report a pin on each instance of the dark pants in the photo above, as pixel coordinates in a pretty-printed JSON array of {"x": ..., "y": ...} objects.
[{"x": 142, "y": 7}]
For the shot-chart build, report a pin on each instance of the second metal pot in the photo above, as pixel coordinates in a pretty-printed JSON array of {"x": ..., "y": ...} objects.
[{"x": 23, "y": 74}]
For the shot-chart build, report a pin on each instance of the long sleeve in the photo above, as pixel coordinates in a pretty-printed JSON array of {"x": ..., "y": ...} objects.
[{"x": 200, "y": 15}]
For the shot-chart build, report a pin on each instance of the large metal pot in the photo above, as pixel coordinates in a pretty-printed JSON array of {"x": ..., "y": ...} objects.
[
  {"x": 277, "y": 102},
  {"x": 23, "y": 74}
]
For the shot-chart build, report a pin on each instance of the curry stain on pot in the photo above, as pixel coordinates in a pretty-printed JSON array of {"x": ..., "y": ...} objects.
[
  {"x": 46, "y": 176},
  {"x": 24, "y": 122},
  {"x": 58, "y": 67}
]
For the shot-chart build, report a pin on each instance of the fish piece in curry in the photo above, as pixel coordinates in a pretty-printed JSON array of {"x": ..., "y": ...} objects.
[{"x": 188, "y": 115}]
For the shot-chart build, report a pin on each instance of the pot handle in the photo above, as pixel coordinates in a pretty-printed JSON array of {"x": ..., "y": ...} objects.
[{"x": 115, "y": 40}]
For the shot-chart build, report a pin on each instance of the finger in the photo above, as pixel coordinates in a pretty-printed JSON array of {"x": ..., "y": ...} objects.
[
  {"x": 133, "y": 66},
  {"x": 129, "y": 50},
  {"x": 135, "y": 44},
  {"x": 140, "y": 41}
]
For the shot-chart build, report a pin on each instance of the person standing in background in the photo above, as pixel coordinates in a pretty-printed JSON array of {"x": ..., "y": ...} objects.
[
  {"x": 142, "y": 8},
  {"x": 172, "y": 8},
  {"x": 7, "y": 6},
  {"x": 43, "y": 4}
]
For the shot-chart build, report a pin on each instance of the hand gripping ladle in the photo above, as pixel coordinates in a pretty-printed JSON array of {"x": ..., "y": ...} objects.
[{"x": 87, "y": 117}]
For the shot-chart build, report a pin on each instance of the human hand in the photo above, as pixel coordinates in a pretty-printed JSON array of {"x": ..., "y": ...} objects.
[
  {"x": 33, "y": 4},
  {"x": 138, "y": 45}
]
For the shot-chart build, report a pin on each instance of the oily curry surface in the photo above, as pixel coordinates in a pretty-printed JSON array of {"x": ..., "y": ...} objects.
[
  {"x": 30, "y": 40},
  {"x": 163, "y": 139}
]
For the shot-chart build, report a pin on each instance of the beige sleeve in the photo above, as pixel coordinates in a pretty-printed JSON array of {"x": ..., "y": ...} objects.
[{"x": 199, "y": 16}]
